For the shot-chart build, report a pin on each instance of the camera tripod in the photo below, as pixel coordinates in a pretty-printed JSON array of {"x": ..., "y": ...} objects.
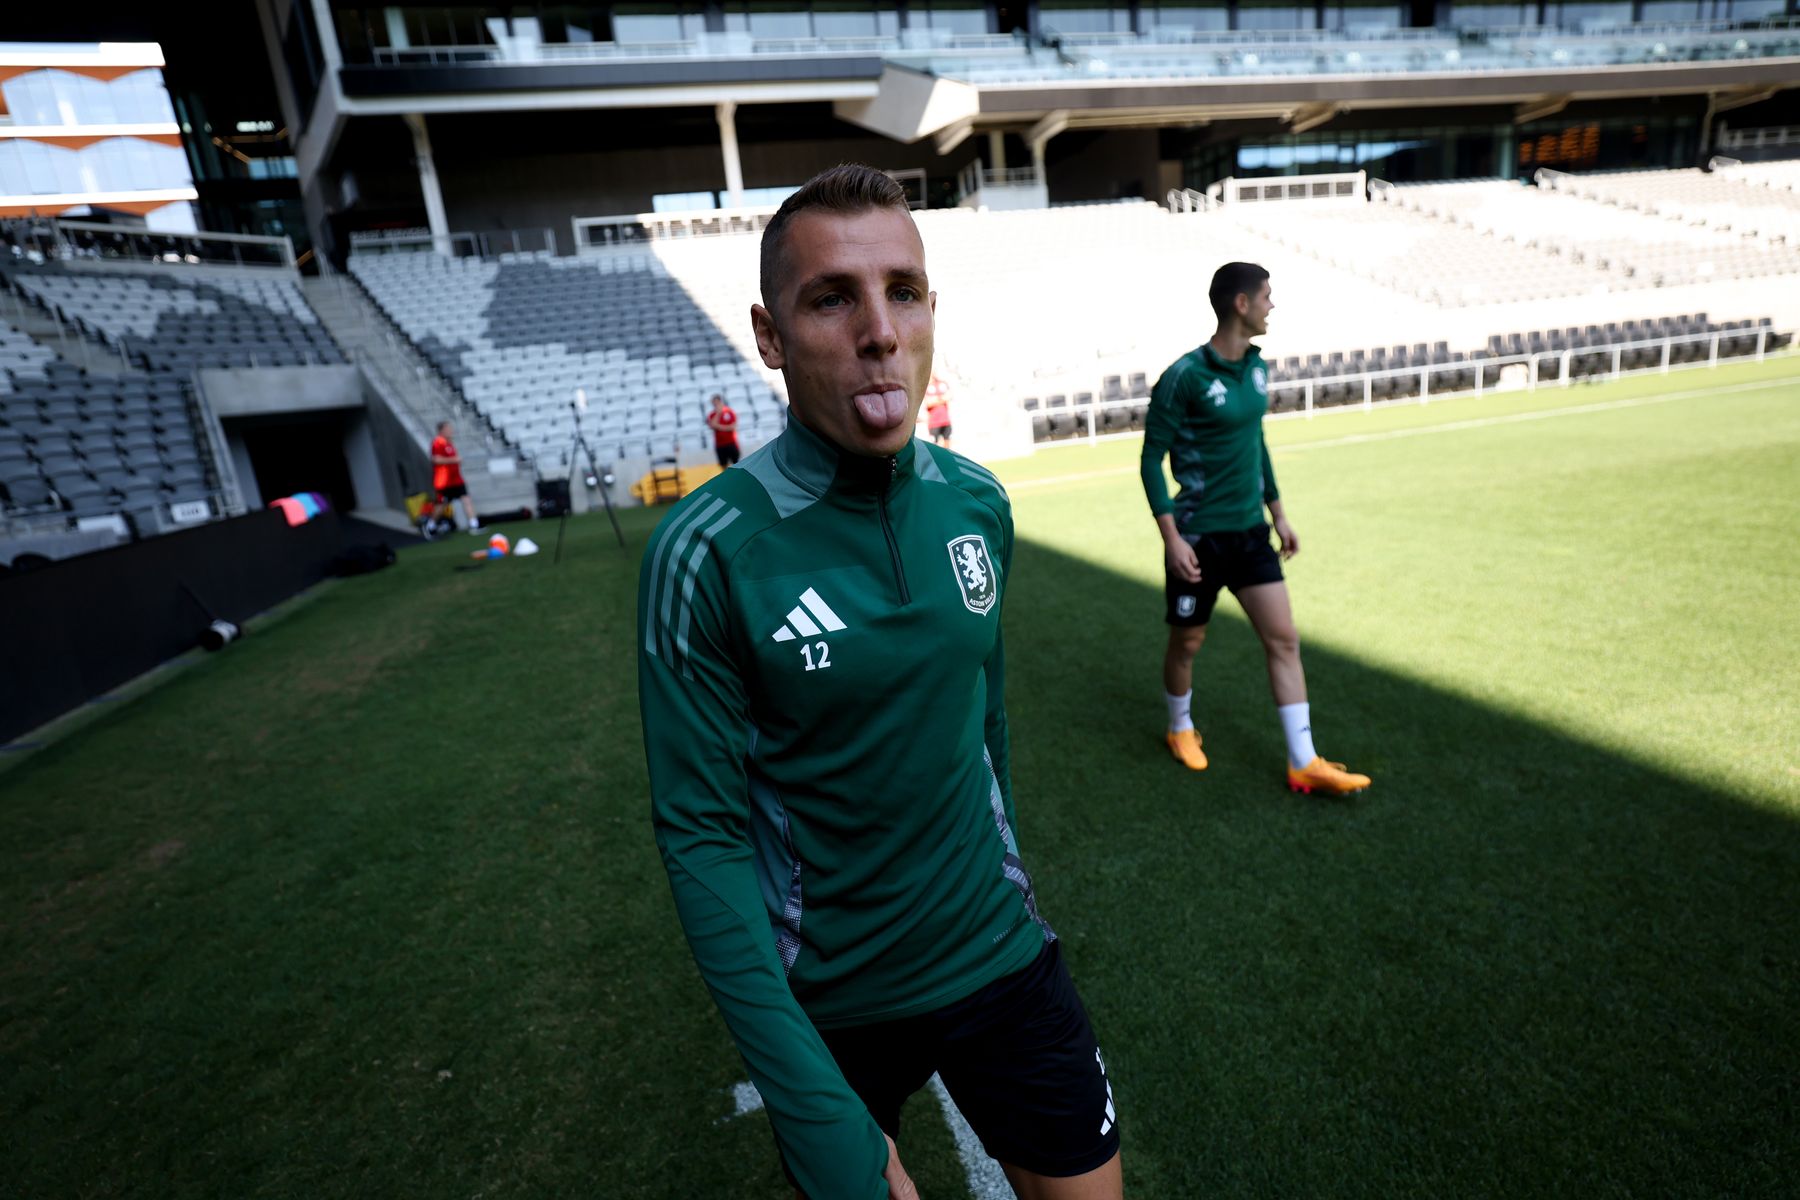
[{"x": 581, "y": 443}]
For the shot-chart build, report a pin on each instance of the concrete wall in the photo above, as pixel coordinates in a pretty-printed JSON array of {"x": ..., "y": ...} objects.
[
  {"x": 402, "y": 461},
  {"x": 248, "y": 489},
  {"x": 263, "y": 391},
  {"x": 366, "y": 475}
]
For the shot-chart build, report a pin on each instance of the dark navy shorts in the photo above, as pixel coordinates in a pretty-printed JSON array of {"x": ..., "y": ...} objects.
[
  {"x": 1019, "y": 1058},
  {"x": 1227, "y": 560}
]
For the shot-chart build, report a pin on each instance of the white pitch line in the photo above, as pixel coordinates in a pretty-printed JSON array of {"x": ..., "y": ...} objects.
[
  {"x": 1447, "y": 427},
  {"x": 986, "y": 1180}
]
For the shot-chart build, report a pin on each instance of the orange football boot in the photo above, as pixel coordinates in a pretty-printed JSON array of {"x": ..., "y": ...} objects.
[
  {"x": 1185, "y": 746},
  {"x": 1328, "y": 777}
]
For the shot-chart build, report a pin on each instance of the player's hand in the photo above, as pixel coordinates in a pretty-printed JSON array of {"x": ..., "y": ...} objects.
[
  {"x": 1290, "y": 541},
  {"x": 1181, "y": 560},
  {"x": 900, "y": 1184}
]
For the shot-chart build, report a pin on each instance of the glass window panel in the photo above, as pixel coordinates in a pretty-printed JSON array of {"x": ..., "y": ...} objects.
[
  {"x": 646, "y": 23},
  {"x": 780, "y": 24},
  {"x": 1366, "y": 16},
  {"x": 683, "y": 201},
  {"x": 952, "y": 16},
  {"x": 1742, "y": 10},
  {"x": 1276, "y": 16},
  {"x": 1252, "y": 158},
  {"x": 1079, "y": 17},
  {"x": 1580, "y": 14},
  {"x": 760, "y": 197},
  {"x": 1188, "y": 16},
  {"x": 1487, "y": 16},
  {"x": 1671, "y": 10},
  {"x": 848, "y": 18},
  {"x": 843, "y": 24}
]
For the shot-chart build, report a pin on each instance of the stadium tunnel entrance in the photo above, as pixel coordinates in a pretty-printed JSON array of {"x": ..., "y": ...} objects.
[
  {"x": 305, "y": 429},
  {"x": 295, "y": 452}
]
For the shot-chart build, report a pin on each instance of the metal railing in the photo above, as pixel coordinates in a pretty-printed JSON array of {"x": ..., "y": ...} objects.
[
  {"x": 78, "y": 241},
  {"x": 637, "y": 229},
  {"x": 487, "y": 244},
  {"x": 1102, "y": 419},
  {"x": 1347, "y": 186},
  {"x": 1756, "y": 139},
  {"x": 974, "y": 177},
  {"x": 733, "y": 44},
  {"x": 1184, "y": 200}
]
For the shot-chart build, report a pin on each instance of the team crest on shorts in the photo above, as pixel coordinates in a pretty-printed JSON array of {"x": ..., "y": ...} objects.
[
  {"x": 1260, "y": 378},
  {"x": 1184, "y": 606},
  {"x": 974, "y": 571}
]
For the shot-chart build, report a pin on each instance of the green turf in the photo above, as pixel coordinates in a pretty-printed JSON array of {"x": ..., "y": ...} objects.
[{"x": 367, "y": 904}]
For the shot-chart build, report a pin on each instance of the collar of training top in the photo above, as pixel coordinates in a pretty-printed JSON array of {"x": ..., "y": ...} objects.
[
  {"x": 1229, "y": 366},
  {"x": 819, "y": 466}
]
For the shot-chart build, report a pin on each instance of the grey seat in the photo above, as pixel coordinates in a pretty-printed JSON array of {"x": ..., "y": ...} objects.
[{"x": 29, "y": 493}]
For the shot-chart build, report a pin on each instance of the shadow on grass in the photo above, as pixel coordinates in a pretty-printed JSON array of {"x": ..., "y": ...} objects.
[
  {"x": 1518, "y": 965},
  {"x": 369, "y": 906}
]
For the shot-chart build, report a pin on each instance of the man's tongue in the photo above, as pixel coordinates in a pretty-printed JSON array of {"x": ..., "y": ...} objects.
[{"x": 882, "y": 410}]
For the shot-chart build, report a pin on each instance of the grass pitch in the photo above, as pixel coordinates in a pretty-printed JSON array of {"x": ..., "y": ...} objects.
[{"x": 368, "y": 904}]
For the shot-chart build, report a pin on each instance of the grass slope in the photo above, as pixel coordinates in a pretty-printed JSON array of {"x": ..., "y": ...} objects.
[{"x": 368, "y": 905}]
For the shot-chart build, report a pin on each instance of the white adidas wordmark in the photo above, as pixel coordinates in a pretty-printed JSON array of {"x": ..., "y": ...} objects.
[{"x": 799, "y": 620}]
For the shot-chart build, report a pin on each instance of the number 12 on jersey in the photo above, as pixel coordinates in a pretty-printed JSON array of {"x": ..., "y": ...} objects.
[{"x": 824, "y": 659}]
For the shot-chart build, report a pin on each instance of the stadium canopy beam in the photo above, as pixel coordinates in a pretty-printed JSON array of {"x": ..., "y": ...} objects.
[
  {"x": 1726, "y": 101},
  {"x": 952, "y": 136},
  {"x": 726, "y": 112},
  {"x": 1310, "y": 116},
  {"x": 1543, "y": 106},
  {"x": 428, "y": 183}
]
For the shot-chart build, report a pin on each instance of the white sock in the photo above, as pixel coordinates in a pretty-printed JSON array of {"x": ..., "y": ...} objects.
[
  {"x": 1296, "y": 722},
  {"x": 1180, "y": 711},
  {"x": 473, "y": 524}
]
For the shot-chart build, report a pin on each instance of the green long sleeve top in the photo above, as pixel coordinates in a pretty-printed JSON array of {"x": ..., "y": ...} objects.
[
  {"x": 821, "y": 682},
  {"x": 1206, "y": 417}
]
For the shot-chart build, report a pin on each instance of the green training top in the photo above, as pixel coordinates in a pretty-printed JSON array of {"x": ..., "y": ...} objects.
[
  {"x": 1206, "y": 416},
  {"x": 820, "y": 676}
]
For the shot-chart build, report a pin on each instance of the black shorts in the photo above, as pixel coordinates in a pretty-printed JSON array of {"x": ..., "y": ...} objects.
[
  {"x": 455, "y": 491},
  {"x": 1019, "y": 1058},
  {"x": 1227, "y": 560},
  {"x": 941, "y": 431},
  {"x": 728, "y": 453}
]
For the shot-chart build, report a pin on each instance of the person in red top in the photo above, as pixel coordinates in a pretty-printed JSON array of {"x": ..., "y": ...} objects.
[
  {"x": 937, "y": 412},
  {"x": 723, "y": 422},
  {"x": 447, "y": 479}
]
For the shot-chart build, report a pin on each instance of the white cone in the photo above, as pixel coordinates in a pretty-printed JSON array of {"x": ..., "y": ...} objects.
[{"x": 525, "y": 546}]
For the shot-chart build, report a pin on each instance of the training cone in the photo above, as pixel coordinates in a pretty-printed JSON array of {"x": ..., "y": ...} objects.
[
  {"x": 525, "y": 546},
  {"x": 498, "y": 546}
]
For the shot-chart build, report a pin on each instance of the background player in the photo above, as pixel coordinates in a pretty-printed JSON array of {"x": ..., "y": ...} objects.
[
  {"x": 723, "y": 422},
  {"x": 447, "y": 481},
  {"x": 937, "y": 412},
  {"x": 1206, "y": 415}
]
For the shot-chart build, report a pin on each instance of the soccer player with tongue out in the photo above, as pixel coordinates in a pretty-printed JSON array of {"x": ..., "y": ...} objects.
[{"x": 821, "y": 680}]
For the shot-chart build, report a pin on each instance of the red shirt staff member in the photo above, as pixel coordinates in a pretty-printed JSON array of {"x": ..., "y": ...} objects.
[
  {"x": 723, "y": 422},
  {"x": 937, "y": 411},
  {"x": 447, "y": 479}
]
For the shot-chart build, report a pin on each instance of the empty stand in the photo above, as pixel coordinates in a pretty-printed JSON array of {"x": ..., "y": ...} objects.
[
  {"x": 88, "y": 445},
  {"x": 177, "y": 322},
  {"x": 1722, "y": 201},
  {"x": 522, "y": 334}
]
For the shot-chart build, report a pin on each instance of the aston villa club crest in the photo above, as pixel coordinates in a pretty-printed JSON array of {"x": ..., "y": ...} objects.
[{"x": 974, "y": 571}]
